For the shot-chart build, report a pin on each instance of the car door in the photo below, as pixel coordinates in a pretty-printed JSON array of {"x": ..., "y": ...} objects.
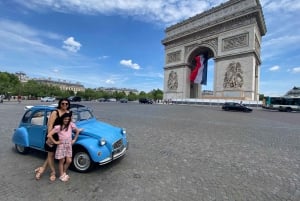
[
  {"x": 231, "y": 106},
  {"x": 236, "y": 107},
  {"x": 37, "y": 129}
]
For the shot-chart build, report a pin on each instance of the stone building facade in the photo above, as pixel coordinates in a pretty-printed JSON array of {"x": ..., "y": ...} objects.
[{"x": 63, "y": 85}]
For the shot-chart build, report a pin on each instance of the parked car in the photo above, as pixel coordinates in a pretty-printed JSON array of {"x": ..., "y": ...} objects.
[
  {"x": 98, "y": 143},
  {"x": 74, "y": 98},
  {"x": 101, "y": 100},
  {"x": 123, "y": 100},
  {"x": 48, "y": 99},
  {"x": 232, "y": 106},
  {"x": 145, "y": 101}
]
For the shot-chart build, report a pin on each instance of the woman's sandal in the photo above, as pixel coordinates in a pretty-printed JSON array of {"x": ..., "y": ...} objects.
[
  {"x": 38, "y": 172},
  {"x": 52, "y": 176}
]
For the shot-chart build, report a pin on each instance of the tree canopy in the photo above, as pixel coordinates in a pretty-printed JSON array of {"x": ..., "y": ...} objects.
[{"x": 11, "y": 86}]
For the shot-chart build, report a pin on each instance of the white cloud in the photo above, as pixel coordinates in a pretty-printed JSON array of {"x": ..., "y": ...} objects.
[
  {"x": 166, "y": 11},
  {"x": 103, "y": 57},
  {"x": 71, "y": 45},
  {"x": 296, "y": 70},
  {"x": 109, "y": 81},
  {"x": 274, "y": 68},
  {"x": 55, "y": 70},
  {"x": 19, "y": 37},
  {"x": 285, "y": 5},
  {"x": 128, "y": 63}
]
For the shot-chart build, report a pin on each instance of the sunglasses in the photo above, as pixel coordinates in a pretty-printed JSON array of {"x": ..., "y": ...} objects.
[{"x": 64, "y": 103}]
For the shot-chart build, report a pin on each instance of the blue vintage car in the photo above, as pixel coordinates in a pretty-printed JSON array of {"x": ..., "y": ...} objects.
[{"x": 99, "y": 142}]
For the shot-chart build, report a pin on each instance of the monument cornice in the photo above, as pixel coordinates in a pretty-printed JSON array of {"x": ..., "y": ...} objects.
[
  {"x": 203, "y": 33},
  {"x": 176, "y": 66},
  {"x": 245, "y": 53},
  {"x": 214, "y": 17}
]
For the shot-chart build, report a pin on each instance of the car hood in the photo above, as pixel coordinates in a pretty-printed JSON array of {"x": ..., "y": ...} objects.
[{"x": 98, "y": 129}]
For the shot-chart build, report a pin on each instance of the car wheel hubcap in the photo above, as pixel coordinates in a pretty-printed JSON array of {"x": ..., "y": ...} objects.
[
  {"x": 20, "y": 148},
  {"x": 82, "y": 161}
]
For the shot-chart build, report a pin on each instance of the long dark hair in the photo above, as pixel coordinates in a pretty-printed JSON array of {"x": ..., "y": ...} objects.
[
  {"x": 61, "y": 100},
  {"x": 66, "y": 115}
]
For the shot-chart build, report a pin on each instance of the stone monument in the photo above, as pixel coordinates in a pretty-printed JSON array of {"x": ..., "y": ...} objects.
[{"x": 230, "y": 34}]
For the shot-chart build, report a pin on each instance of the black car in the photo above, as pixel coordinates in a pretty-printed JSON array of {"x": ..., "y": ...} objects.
[
  {"x": 74, "y": 99},
  {"x": 145, "y": 101},
  {"x": 232, "y": 106},
  {"x": 123, "y": 100}
]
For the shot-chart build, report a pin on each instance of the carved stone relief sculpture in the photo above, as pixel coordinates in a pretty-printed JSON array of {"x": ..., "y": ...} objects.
[
  {"x": 173, "y": 81},
  {"x": 234, "y": 42},
  {"x": 233, "y": 76},
  {"x": 173, "y": 57}
]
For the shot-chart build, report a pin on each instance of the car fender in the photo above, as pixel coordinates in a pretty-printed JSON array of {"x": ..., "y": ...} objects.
[
  {"x": 96, "y": 152},
  {"x": 20, "y": 137}
]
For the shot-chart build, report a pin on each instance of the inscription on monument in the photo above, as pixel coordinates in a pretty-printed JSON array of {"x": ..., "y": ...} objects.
[
  {"x": 234, "y": 76},
  {"x": 173, "y": 81},
  {"x": 234, "y": 42}
]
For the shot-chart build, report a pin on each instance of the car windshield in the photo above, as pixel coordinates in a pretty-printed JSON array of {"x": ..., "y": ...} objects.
[{"x": 80, "y": 115}]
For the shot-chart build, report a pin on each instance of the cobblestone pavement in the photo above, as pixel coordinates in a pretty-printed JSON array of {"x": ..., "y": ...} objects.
[{"x": 176, "y": 153}]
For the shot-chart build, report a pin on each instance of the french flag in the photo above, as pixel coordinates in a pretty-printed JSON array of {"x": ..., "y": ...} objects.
[{"x": 199, "y": 74}]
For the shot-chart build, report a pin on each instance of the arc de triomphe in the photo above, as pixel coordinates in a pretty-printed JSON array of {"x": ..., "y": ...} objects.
[{"x": 230, "y": 34}]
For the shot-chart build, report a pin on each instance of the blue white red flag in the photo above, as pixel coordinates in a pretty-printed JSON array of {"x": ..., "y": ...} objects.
[{"x": 199, "y": 74}]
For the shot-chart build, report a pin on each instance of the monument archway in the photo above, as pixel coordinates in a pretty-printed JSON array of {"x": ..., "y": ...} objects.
[{"x": 230, "y": 34}]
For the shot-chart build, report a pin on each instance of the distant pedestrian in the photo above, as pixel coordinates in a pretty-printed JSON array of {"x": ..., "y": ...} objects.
[{"x": 19, "y": 99}]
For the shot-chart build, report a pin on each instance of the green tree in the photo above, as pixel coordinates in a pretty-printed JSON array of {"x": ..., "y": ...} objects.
[
  {"x": 261, "y": 97},
  {"x": 9, "y": 83},
  {"x": 156, "y": 94},
  {"x": 132, "y": 96},
  {"x": 143, "y": 94}
]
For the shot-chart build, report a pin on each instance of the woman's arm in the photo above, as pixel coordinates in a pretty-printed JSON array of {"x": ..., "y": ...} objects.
[
  {"x": 50, "y": 136},
  {"x": 51, "y": 120}
]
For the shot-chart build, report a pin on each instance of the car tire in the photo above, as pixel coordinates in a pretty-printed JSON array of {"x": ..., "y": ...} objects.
[
  {"x": 82, "y": 161},
  {"x": 288, "y": 109},
  {"x": 21, "y": 149}
]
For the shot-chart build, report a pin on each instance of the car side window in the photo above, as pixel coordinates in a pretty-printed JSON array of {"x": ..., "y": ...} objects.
[
  {"x": 74, "y": 117},
  {"x": 26, "y": 117},
  {"x": 38, "y": 118},
  {"x": 47, "y": 117}
]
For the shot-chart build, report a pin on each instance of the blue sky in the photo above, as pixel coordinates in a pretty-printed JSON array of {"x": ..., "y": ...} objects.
[{"x": 110, "y": 43}]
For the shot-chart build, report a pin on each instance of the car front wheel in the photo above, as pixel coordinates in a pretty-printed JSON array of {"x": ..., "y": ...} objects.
[
  {"x": 82, "y": 161},
  {"x": 21, "y": 149},
  {"x": 288, "y": 109}
]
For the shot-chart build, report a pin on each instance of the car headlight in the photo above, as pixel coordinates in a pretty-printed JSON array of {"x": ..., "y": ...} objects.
[
  {"x": 102, "y": 141},
  {"x": 123, "y": 131}
]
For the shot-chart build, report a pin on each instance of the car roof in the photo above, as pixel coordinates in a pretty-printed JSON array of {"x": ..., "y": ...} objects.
[{"x": 53, "y": 106}]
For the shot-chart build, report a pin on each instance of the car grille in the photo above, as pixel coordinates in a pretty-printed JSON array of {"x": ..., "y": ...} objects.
[{"x": 118, "y": 144}]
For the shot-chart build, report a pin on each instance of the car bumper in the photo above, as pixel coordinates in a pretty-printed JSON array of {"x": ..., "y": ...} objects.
[{"x": 114, "y": 156}]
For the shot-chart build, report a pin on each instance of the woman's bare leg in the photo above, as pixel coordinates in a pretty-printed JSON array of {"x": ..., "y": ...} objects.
[{"x": 51, "y": 165}]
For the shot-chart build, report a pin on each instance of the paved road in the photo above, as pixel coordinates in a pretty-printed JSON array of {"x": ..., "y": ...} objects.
[{"x": 176, "y": 153}]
